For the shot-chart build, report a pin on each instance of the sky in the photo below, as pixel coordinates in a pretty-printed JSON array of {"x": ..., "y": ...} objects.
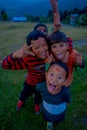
[
  {"x": 10, "y": 3},
  {"x": 15, "y": 4}
]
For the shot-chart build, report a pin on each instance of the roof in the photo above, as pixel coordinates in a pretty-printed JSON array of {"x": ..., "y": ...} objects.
[{"x": 19, "y": 19}]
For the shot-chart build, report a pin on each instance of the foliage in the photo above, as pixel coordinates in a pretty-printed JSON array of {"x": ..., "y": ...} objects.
[
  {"x": 83, "y": 19},
  {"x": 4, "y": 15}
]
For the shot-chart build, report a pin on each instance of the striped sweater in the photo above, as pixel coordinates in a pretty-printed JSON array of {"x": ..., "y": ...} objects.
[{"x": 35, "y": 67}]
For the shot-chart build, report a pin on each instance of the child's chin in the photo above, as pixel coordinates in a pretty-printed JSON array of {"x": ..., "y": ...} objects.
[
  {"x": 50, "y": 91},
  {"x": 42, "y": 57}
]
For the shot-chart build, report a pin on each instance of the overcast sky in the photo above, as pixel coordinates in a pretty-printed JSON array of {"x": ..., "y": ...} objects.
[{"x": 19, "y": 2}]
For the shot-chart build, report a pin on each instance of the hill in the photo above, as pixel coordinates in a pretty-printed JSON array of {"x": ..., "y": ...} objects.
[{"x": 41, "y": 8}]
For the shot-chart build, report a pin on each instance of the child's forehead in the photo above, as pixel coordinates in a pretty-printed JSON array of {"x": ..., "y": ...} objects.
[
  {"x": 41, "y": 27},
  {"x": 56, "y": 68},
  {"x": 40, "y": 40}
]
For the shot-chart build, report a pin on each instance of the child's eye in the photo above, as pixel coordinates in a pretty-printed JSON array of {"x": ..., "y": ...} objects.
[
  {"x": 54, "y": 46},
  {"x": 61, "y": 45},
  {"x": 59, "y": 77},
  {"x": 44, "y": 30},
  {"x": 51, "y": 74}
]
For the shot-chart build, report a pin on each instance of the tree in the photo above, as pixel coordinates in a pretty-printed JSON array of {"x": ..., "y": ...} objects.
[
  {"x": 4, "y": 16},
  {"x": 83, "y": 19}
]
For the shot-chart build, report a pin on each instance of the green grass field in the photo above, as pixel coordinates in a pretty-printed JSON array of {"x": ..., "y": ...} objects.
[{"x": 12, "y": 37}]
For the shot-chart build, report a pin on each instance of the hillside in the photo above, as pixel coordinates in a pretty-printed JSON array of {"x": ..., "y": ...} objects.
[{"x": 41, "y": 8}]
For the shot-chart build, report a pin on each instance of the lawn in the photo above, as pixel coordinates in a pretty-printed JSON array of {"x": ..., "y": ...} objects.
[{"x": 12, "y": 37}]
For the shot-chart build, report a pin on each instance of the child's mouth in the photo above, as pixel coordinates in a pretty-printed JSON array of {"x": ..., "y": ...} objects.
[
  {"x": 59, "y": 56},
  {"x": 51, "y": 87},
  {"x": 44, "y": 54}
]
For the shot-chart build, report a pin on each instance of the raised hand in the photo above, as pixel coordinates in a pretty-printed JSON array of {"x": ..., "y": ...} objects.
[
  {"x": 23, "y": 52},
  {"x": 78, "y": 59},
  {"x": 54, "y": 4}
]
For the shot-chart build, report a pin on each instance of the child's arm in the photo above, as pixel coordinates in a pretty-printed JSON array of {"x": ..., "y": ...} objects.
[
  {"x": 11, "y": 63},
  {"x": 56, "y": 15},
  {"x": 17, "y": 60}
]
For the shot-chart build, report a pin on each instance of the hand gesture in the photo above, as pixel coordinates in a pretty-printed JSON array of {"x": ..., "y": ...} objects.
[
  {"x": 23, "y": 52},
  {"x": 78, "y": 59},
  {"x": 49, "y": 58},
  {"x": 56, "y": 14},
  {"x": 54, "y": 4}
]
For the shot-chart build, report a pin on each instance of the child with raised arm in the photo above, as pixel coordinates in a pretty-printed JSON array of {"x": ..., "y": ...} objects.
[
  {"x": 55, "y": 96},
  {"x": 57, "y": 23},
  {"x": 35, "y": 65}
]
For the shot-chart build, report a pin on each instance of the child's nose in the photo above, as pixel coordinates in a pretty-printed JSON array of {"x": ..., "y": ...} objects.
[{"x": 54, "y": 80}]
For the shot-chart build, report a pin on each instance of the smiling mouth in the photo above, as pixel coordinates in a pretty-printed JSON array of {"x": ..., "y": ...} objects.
[
  {"x": 59, "y": 55},
  {"x": 44, "y": 54}
]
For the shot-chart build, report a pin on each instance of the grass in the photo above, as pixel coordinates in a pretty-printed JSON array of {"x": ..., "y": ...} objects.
[{"x": 12, "y": 37}]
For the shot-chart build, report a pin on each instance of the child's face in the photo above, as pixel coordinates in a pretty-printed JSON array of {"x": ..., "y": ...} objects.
[
  {"x": 55, "y": 78},
  {"x": 42, "y": 29},
  {"x": 39, "y": 48},
  {"x": 59, "y": 50}
]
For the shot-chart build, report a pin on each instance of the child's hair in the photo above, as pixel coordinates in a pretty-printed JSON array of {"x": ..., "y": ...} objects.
[
  {"x": 57, "y": 37},
  {"x": 34, "y": 35},
  {"x": 40, "y": 24},
  {"x": 61, "y": 64}
]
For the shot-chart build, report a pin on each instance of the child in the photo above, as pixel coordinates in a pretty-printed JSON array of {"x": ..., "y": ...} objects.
[
  {"x": 21, "y": 59},
  {"x": 60, "y": 52},
  {"x": 41, "y": 27},
  {"x": 55, "y": 96},
  {"x": 57, "y": 24}
]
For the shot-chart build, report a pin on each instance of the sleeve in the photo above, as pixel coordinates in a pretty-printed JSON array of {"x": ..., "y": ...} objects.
[
  {"x": 67, "y": 94},
  {"x": 14, "y": 64},
  {"x": 83, "y": 64},
  {"x": 70, "y": 43},
  {"x": 38, "y": 87}
]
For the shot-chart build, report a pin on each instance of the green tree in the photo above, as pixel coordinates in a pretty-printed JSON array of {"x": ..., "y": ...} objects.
[
  {"x": 4, "y": 16},
  {"x": 83, "y": 19}
]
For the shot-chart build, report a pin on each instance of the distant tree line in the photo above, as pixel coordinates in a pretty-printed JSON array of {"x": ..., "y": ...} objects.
[
  {"x": 64, "y": 15},
  {"x": 3, "y": 15}
]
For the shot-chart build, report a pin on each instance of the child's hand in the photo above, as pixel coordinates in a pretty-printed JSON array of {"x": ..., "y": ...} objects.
[
  {"x": 23, "y": 52},
  {"x": 49, "y": 58},
  {"x": 78, "y": 59},
  {"x": 57, "y": 26},
  {"x": 56, "y": 14},
  {"x": 54, "y": 4}
]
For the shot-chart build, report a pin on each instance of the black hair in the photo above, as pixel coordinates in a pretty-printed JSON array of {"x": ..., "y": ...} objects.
[
  {"x": 57, "y": 37},
  {"x": 34, "y": 35},
  {"x": 40, "y": 24},
  {"x": 62, "y": 64}
]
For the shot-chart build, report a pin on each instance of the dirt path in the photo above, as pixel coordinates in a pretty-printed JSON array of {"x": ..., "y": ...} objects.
[{"x": 80, "y": 43}]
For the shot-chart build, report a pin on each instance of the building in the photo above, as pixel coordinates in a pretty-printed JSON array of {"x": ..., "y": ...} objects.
[
  {"x": 73, "y": 19},
  {"x": 19, "y": 19}
]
